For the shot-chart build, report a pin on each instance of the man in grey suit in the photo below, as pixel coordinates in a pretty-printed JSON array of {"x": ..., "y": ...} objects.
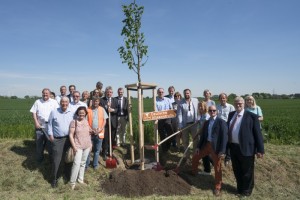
[
  {"x": 244, "y": 141},
  {"x": 187, "y": 113}
]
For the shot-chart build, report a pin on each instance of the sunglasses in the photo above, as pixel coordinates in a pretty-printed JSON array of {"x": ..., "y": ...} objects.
[{"x": 212, "y": 110}]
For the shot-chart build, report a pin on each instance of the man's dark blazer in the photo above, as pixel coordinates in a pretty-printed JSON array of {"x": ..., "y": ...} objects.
[
  {"x": 70, "y": 96},
  {"x": 250, "y": 137},
  {"x": 113, "y": 115},
  {"x": 219, "y": 136},
  {"x": 124, "y": 106}
]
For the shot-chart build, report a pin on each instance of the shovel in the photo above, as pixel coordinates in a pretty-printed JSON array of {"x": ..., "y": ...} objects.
[
  {"x": 110, "y": 162},
  {"x": 176, "y": 170},
  {"x": 155, "y": 146}
]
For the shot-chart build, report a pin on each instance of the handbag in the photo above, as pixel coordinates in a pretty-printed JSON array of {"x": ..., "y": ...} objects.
[{"x": 70, "y": 154}]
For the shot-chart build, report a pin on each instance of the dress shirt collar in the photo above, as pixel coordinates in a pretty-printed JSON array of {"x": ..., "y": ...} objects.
[{"x": 240, "y": 114}]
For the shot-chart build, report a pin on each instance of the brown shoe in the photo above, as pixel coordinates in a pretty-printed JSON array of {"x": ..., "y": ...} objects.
[
  {"x": 192, "y": 173},
  {"x": 217, "y": 192}
]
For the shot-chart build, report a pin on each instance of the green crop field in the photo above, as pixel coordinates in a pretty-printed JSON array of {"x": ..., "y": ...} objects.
[{"x": 280, "y": 125}]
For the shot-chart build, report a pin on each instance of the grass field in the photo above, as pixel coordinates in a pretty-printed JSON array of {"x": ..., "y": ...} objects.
[
  {"x": 276, "y": 177},
  {"x": 280, "y": 125}
]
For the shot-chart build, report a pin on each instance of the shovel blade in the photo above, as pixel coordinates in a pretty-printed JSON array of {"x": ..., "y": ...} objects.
[
  {"x": 111, "y": 163},
  {"x": 158, "y": 167}
]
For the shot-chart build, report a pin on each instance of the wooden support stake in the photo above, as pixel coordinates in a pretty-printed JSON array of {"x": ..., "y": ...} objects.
[
  {"x": 130, "y": 126},
  {"x": 141, "y": 133},
  {"x": 155, "y": 126}
]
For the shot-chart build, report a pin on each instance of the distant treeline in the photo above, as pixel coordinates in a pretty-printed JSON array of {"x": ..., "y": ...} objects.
[{"x": 256, "y": 95}]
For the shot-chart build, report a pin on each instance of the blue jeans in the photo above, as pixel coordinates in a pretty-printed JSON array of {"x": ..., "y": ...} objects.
[{"x": 97, "y": 146}]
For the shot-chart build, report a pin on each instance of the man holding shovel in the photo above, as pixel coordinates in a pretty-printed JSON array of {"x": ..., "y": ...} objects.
[
  {"x": 110, "y": 105},
  {"x": 164, "y": 125},
  {"x": 187, "y": 114},
  {"x": 212, "y": 142}
]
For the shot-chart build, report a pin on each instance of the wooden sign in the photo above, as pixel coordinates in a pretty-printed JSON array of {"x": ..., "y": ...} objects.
[{"x": 148, "y": 116}]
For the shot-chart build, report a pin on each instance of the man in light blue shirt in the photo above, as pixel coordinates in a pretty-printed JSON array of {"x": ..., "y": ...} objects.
[
  {"x": 58, "y": 131},
  {"x": 224, "y": 108},
  {"x": 164, "y": 125}
]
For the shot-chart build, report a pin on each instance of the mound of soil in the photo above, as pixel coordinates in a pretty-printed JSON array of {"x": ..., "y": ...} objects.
[{"x": 137, "y": 183}]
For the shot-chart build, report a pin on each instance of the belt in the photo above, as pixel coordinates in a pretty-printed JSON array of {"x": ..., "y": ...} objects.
[
  {"x": 190, "y": 123},
  {"x": 60, "y": 137}
]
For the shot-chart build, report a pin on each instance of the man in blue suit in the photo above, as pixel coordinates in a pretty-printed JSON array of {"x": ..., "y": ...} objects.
[
  {"x": 244, "y": 141},
  {"x": 212, "y": 142}
]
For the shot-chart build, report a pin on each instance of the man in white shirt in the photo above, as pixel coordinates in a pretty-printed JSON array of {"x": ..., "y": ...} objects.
[
  {"x": 76, "y": 102},
  {"x": 63, "y": 92},
  {"x": 41, "y": 110}
]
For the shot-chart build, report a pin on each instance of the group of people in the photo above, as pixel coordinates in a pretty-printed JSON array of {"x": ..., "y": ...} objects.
[
  {"x": 66, "y": 121},
  {"x": 219, "y": 132}
]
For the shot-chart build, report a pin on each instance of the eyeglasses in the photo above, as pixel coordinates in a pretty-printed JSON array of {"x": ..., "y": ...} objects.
[{"x": 212, "y": 110}]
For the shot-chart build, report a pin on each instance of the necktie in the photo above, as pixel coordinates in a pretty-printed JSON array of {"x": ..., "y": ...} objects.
[
  {"x": 231, "y": 128},
  {"x": 119, "y": 107}
]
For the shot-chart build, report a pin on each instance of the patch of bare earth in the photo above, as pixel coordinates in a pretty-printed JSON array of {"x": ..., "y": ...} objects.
[{"x": 137, "y": 183}]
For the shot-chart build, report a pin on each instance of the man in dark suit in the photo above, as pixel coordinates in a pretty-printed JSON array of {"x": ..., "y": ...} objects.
[
  {"x": 72, "y": 88},
  {"x": 244, "y": 141},
  {"x": 212, "y": 142},
  {"x": 122, "y": 117},
  {"x": 110, "y": 105}
]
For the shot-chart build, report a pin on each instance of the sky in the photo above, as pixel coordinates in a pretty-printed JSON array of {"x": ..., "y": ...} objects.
[{"x": 229, "y": 46}]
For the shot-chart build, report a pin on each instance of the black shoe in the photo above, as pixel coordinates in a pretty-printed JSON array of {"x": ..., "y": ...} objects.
[
  {"x": 104, "y": 157},
  {"x": 54, "y": 184},
  {"x": 246, "y": 194}
]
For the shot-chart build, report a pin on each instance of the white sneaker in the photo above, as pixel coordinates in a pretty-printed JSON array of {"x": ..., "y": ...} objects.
[
  {"x": 72, "y": 186},
  {"x": 82, "y": 183},
  {"x": 204, "y": 173}
]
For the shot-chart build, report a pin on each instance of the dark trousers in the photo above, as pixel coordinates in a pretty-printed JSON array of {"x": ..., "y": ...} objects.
[
  {"x": 59, "y": 148},
  {"x": 243, "y": 168},
  {"x": 206, "y": 163},
  {"x": 106, "y": 145},
  {"x": 174, "y": 123},
  {"x": 165, "y": 130}
]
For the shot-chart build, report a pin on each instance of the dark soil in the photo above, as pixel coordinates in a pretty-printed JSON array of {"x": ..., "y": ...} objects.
[{"x": 138, "y": 183}]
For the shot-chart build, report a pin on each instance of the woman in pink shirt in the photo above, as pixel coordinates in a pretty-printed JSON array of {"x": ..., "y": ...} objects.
[{"x": 80, "y": 139}]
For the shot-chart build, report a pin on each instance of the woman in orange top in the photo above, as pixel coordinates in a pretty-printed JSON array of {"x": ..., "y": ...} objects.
[{"x": 96, "y": 118}]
